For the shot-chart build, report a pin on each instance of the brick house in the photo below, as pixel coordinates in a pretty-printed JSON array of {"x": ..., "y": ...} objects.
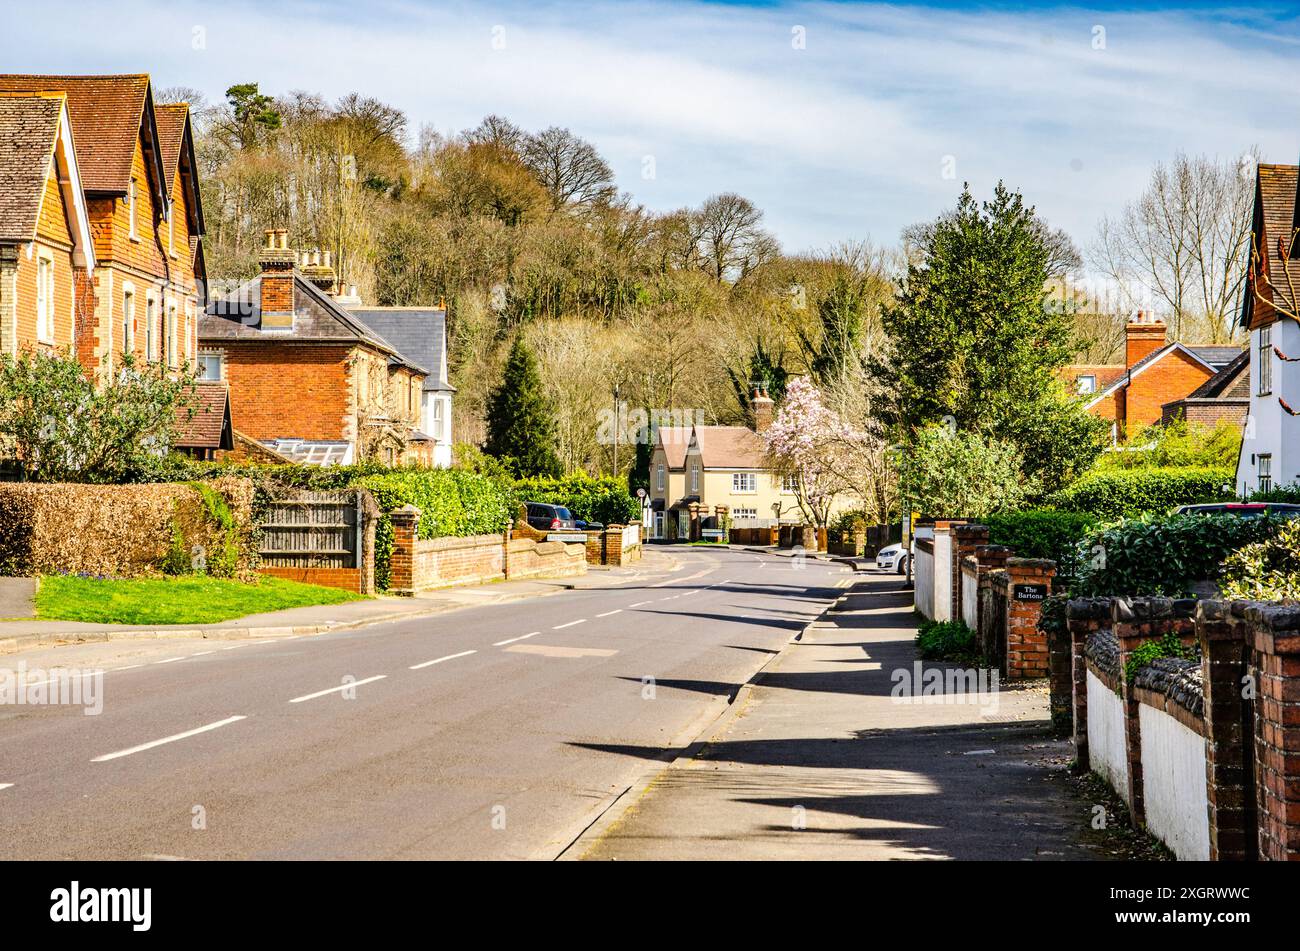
[
  {"x": 46, "y": 247},
  {"x": 143, "y": 206},
  {"x": 306, "y": 378},
  {"x": 1155, "y": 372},
  {"x": 420, "y": 333},
  {"x": 1224, "y": 396}
]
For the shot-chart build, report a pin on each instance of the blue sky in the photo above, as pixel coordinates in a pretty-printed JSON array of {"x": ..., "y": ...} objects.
[{"x": 846, "y": 135}]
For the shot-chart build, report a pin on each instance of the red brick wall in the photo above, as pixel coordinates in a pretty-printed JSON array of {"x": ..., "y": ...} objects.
[
  {"x": 287, "y": 390},
  {"x": 349, "y": 579},
  {"x": 1170, "y": 378}
]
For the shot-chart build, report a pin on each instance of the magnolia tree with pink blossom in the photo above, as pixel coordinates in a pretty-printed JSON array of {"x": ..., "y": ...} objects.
[{"x": 817, "y": 450}]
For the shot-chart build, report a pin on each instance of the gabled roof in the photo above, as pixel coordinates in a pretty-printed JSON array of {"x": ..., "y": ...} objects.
[
  {"x": 35, "y": 132},
  {"x": 730, "y": 447},
  {"x": 317, "y": 318},
  {"x": 176, "y": 143},
  {"x": 108, "y": 114},
  {"x": 1223, "y": 383},
  {"x": 1151, "y": 359},
  {"x": 418, "y": 333},
  {"x": 1275, "y": 219},
  {"x": 674, "y": 440},
  {"x": 1104, "y": 373},
  {"x": 209, "y": 426}
]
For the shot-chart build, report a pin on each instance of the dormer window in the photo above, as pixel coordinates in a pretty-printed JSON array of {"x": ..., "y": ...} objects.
[{"x": 1088, "y": 384}]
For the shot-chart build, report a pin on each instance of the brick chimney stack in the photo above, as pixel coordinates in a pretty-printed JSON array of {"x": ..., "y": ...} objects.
[
  {"x": 316, "y": 267},
  {"x": 277, "y": 262},
  {"x": 1143, "y": 336},
  {"x": 762, "y": 409}
]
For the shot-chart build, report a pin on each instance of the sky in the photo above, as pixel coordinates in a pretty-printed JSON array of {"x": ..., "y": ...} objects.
[{"x": 842, "y": 121}]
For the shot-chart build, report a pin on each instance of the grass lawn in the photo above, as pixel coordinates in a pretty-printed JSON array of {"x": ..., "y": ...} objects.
[{"x": 193, "y": 600}]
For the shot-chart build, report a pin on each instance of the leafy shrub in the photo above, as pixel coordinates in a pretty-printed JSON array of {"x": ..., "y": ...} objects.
[
  {"x": 846, "y": 523},
  {"x": 590, "y": 499},
  {"x": 945, "y": 640},
  {"x": 1279, "y": 493},
  {"x": 1178, "y": 443},
  {"x": 1267, "y": 570},
  {"x": 1165, "y": 556},
  {"x": 1044, "y": 533},
  {"x": 947, "y": 473},
  {"x": 1132, "y": 493},
  {"x": 1167, "y": 646}
]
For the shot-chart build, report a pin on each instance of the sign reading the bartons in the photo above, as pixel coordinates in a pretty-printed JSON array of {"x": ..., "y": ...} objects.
[{"x": 1030, "y": 592}]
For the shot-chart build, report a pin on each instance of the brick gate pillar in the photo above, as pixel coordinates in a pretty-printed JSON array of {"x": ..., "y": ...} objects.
[
  {"x": 1027, "y": 654},
  {"x": 1229, "y": 761},
  {"x": 1275, "y": 667},
  {"x": 401, "y": 565}
]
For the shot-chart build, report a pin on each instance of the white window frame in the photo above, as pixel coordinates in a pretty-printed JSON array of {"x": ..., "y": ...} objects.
[
  {"x": 790, "y": 483},
  {"x": 45, "y": 297},
  {"x": 1088, "y": 383},
  {"x": 128, "y": 317},
  {"x": 436, "y": 418},
  {"x": 132, "y": 232},
  {"x": 220, "y": 357},
  {"x": 1264, "y": 471},
  {"x": 744, "y": 483},
  {"x": 169, "y": 335},
  {"x": 695, "y": 478},
  {"x": 150, "y": 327},
  {"x": 1265, "y": 361},
  {"x": 660, "y": 478}
]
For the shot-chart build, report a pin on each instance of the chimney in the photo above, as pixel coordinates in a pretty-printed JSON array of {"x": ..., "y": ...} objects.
[
  {"x": 1143, "y": 336},
  {"x": 316, "y": 267},
  {"x": 277, "y": 261},
  {"x": 762, "y": 409}
]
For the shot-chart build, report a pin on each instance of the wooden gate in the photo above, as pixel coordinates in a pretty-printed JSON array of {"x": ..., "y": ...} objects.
[{"x": 303, "y": 529}]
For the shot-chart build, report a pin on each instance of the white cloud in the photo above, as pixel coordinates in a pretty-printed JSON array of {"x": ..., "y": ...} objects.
[{"x": 841, "y": 139}]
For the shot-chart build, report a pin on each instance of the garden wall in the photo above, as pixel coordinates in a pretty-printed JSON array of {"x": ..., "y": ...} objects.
[
  {"x": 923, "y": 578},
  {"x": 121, "y": 530}
]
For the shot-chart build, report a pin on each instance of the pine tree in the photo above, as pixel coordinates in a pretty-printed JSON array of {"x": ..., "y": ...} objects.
[{"x": 521, "y": 422}]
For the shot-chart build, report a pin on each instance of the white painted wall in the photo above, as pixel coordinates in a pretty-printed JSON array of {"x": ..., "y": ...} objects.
[
  {"x": 1173, "y": 784},
  {"x": 442, "y": 441},
  {"x": 1106, "y": 743},
  {"x": 1269, "y": 428},
  {"x": 970, "y": 606},
  {"x": 923, "y": 582},
  {"x": 942, "y": 576}
]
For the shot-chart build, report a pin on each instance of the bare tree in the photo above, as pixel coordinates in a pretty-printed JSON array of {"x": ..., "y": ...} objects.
[
  {"x": 1182, "y": 241},
  {"x": 498, "y": 131},
  {"x": 730, "y": 237},
  {"x": 570, "y": 168}
]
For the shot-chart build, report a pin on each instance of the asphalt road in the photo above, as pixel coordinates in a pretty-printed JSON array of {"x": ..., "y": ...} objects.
[{"x": 493, "y": 732}]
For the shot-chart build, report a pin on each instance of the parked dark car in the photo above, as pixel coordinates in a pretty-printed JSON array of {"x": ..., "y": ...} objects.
[
  {"x": 1242, "y": 509},
  {"x": 549, "y": 518},
  {"x": 589, "y": 526}
]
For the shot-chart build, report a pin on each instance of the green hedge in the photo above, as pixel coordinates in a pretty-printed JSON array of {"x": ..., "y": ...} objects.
[
  {"x": 1165, "y": 556},
  {"x": 1044, "y": 533},
  {"x": 1132, "y": 493},
  {"x": 590, "y": 499}
]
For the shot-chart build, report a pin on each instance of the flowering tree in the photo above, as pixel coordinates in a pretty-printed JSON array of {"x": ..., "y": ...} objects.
[{"x": 816, "y": 450}]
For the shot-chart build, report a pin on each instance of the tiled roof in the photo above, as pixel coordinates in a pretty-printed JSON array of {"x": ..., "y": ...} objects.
[
  {"x": 1275, "y": 218},
  {"x": 1105, "y": 373},
  {"x": 317, "y": 318},
  {"x": 210, "y": 422},
  {"x": 29, "y": 128},
  {"x": 418, "y": 333},
  {"x": 731, "y": 447},
  {"x": 1227, "y": 383},
  {"x": 171, "y": 132},
  {"x": 106, "y": 112},
  {"x": 674, "y": 440}
]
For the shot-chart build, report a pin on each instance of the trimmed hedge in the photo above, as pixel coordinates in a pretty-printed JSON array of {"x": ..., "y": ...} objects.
[
  {"x": 1044, "y": 533},
  {"x": 1268, "y": 570},
  {"x": 1133, "y": 493},
  {"x": 1165, "y": 556},
  {"x": 590, "y": 499}
]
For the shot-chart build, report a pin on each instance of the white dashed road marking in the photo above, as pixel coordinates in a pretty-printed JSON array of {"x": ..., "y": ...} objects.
[
  {"x": 560, "y": 627},
  {"x": 608, "y": 613},
  {"x": 167, "y": 739},
  {"x": 638, "y": 604},
  {"x": 548, "y": 651},
  {"x": 430, "y": 663},
  {"x": 511, "y": 640},
  {"x": 322, "y": 693},
  {"x": 6, "y": 785}
]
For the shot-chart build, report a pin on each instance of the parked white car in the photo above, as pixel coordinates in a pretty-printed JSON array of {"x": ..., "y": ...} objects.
[{"x": 893, "y": 558}]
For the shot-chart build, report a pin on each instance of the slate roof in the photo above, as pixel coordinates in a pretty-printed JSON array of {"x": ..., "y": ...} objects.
[
  {"x": 418, "y": 333},
  {"x": 209, "y": 427},
  {"x": 730, "y": 447},
  {"x": 107, "y": 113},
  {"x": 29, "y": 128},
  {"x": 1217, "y": 357},
  {"x": 318, "y": 318}
]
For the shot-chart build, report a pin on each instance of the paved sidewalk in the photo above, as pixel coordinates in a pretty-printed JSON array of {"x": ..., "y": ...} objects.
[
  {"x": 17, "y": 597},
  {"x": 318, "y": 619},
  {"x": 818, "y": 761}
]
